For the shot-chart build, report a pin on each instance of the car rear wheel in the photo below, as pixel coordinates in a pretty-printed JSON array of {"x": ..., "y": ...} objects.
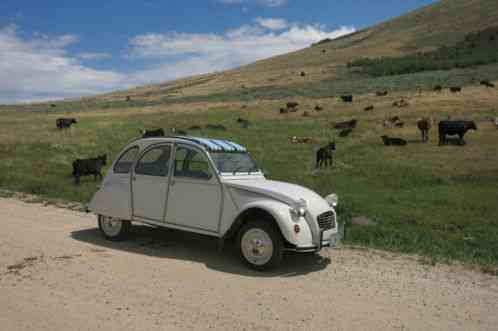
[
  {"x": 261, "y": 245},
  {"x": 114, "y": 229}
]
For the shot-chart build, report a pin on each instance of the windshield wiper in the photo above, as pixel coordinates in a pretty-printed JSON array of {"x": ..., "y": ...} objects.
[
  {"x": 253, "y": 169},
  {"x": 237, "y": 169}
]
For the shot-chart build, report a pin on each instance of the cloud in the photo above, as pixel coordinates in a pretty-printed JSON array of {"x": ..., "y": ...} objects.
[
  {"x": 94, "y": 56},
  {"x": 39, "y": 68},
  {"x": 273, "y": 3},
  {"x": 181, "y": 54},
  {"x": 267, "y": 3},
  {"x": 272, "y": 23}
]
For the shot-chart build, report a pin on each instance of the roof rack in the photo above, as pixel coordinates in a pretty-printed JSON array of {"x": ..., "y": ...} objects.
[{"x": 213, "y": 145}]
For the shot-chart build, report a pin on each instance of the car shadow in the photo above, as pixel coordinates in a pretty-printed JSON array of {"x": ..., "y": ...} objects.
[{"x": 173, "y": 244}]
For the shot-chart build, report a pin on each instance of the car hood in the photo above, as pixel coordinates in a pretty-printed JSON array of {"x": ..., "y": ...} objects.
[{"x": 285, "y": 192}]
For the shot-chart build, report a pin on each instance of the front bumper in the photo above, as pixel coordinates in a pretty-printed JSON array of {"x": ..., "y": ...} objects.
[{"x": 330, "y": 240}]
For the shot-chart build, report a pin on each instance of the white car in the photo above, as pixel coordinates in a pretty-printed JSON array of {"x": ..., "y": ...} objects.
[{"x": 212, "y": 187}]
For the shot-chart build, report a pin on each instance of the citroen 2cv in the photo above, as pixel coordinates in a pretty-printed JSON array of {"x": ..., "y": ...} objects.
[{"x": 212, "y": 187}]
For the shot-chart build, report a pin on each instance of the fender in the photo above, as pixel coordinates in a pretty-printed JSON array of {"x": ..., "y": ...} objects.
[{"x": 281, "y": 213}]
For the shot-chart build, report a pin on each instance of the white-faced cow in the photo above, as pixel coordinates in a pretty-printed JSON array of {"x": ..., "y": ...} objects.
[{"x": 152, "y": 133}]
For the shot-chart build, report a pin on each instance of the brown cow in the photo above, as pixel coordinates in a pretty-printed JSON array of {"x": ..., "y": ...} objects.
[{"x": 424, "y": 125}]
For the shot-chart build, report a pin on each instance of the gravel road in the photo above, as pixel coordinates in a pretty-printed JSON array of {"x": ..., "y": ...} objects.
[{"x": 58, "y": 273}]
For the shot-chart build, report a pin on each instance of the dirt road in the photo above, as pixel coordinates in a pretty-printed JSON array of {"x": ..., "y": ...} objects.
[{"x": 57, "y": 273}]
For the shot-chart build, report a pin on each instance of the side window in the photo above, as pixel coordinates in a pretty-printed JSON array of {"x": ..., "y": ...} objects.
[
  {"x": 155, "y": 162},
  {"x": 191, "y": 163},
  {"x": 126, "y": 160}
]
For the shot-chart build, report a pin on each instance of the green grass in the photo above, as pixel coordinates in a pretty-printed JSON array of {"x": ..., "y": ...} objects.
[{"x": 438, "y": 202}]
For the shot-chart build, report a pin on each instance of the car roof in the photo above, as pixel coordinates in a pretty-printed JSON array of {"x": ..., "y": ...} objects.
[{"x": 212, "y": 145}]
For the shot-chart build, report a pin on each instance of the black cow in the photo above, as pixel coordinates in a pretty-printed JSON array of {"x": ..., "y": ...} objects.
[
  {"x": 216, "y": 127},
  {"x": 292, "y": 105},
  {"x": 369, "y": 108},
  {"x": 345, "y": 125},
  {"x": 381, "y": 93},
  {"x": 347, "y": 98},
  {"x": 487, "y": 83},
  {"x": 152, "y": 133},
  {"x": 424, "y": 125},
  {"x": 128, "y": 98},
  {"x": 284, "y": 111},
  {"x": 438, "y": 88},
  {"x": 318, "y": 108},
  {"x": 324, "y": 156},
  {"x": 303, "y": 74},
  {"x": 65, "y": 123},
  {"x": 87, "y": 167},
  {"x": 451, "y": 128},
  {"x": 388, "y": 141},
  {"x": 344, "y": 133},
  {"x": 243, "y": 122},
  {"x": 455, "y": 89}
]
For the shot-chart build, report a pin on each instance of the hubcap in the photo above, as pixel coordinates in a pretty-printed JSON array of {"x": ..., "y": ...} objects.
[
  {"x": 111, "y": 226},
  {"x": 257, "y": 246}
]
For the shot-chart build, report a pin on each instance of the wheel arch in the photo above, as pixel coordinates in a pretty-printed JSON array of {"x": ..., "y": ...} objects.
[{"x": 260, "y": 210}]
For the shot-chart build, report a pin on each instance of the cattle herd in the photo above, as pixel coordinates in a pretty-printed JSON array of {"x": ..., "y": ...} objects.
[
  {"x": 446, "y": 128},
  {"x": 324, "y": 155}
]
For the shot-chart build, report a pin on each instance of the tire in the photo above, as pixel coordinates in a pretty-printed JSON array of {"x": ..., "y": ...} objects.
[
  {"x": 114, "y": 229},
  {"x": 261, "y": 245}
]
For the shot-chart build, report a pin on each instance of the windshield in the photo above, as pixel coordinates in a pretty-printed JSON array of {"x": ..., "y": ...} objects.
[{"x": 234, "y": 162}]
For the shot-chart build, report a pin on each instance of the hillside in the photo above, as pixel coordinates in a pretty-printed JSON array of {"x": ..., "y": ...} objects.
[{"x": 442, "y": 24}]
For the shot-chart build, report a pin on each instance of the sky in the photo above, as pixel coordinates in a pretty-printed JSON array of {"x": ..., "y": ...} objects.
[{"x": 64, "y": 49}]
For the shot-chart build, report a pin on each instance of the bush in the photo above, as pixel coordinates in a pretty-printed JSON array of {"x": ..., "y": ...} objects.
[{"x": 479, "y": 48}]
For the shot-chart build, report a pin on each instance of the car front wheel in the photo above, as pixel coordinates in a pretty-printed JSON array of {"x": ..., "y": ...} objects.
[
  {"x": 261, "y": 245},
  {"x": 114, "y": 229}
]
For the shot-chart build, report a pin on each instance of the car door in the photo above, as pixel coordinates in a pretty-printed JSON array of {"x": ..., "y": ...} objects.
[
  {"x": 150, "y": 183},
  {"x": 195, "y": 196}
]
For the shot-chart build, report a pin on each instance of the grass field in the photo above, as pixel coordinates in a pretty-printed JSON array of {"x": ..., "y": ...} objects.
[{"x": 439, "y": 202}]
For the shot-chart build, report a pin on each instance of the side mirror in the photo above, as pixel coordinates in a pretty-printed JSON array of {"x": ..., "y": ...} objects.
[{"x": 265, "y": 172}]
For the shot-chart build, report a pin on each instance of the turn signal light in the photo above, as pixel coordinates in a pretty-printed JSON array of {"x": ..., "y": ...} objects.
[{"x": 297, "y": 229}]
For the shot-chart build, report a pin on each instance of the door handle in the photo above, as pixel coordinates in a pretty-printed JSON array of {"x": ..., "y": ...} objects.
[
  {"x": 133, "y": 178},
  {"x": 172, "y": 182}
]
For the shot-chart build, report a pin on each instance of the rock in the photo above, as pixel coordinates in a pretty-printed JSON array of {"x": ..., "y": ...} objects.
[{"x": 363, "y": 220}]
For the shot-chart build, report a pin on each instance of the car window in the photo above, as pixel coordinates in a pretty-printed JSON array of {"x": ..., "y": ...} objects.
[
  {"x": 126, "y": 160},
  {"x": 191, "y": 163},
  {"x": 155, "y": 162}
]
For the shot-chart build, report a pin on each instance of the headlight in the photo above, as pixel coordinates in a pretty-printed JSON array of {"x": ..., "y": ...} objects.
[
  {"x": 299, "y": 209},
  {"x": 332, "y": 199}
]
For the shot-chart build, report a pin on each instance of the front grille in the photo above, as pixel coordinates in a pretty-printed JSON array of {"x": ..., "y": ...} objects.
[{"x": 326, "y": 221}]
